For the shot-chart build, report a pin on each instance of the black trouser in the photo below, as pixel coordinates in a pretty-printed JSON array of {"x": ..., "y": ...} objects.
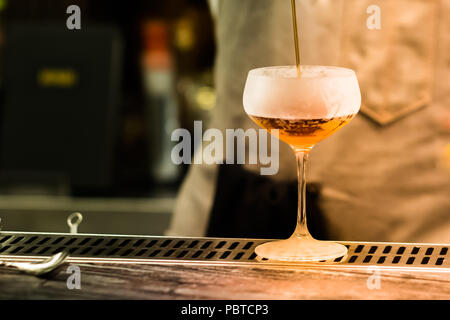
[{"x": 249, "y": 205}]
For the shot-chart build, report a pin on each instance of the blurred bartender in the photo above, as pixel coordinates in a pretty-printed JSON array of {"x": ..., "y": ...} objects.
[{"x": 385, "y": 176}]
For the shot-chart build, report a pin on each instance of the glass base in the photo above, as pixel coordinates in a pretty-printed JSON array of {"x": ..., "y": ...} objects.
[{"x": 300, "y": 249}]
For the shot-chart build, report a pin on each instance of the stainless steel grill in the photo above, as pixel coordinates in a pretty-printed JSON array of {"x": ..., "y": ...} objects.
[{"x": 148, "y": 249}]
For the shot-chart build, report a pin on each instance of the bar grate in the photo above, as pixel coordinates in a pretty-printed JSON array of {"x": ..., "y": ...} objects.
[{"x": 148, "y": 249}]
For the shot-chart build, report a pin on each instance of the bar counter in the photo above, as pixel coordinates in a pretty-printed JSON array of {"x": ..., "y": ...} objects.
[{"x": 202, "y": 281}]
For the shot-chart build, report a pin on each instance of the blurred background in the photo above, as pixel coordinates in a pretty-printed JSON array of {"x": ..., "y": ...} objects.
[{"x": 86, "y": 115}]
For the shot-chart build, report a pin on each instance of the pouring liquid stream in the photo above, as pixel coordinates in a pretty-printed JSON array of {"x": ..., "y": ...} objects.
[{"x": 297, "y": 48}]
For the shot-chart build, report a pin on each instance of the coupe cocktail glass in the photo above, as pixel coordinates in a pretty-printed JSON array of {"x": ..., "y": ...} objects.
[{"x": 305, "y": 110}]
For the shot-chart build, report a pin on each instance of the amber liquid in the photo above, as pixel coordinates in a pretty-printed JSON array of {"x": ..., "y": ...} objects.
[{"x": 302, "y": 133}]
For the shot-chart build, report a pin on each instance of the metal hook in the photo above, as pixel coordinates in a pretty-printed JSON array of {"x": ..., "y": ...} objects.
[{"x": 73, "y": 221}]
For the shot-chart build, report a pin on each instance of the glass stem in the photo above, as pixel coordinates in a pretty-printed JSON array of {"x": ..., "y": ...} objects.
[{"x": 301, "y": 231}]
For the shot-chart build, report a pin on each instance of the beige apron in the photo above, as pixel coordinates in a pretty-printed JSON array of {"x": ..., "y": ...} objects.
[{"x": 381, "y": 176}]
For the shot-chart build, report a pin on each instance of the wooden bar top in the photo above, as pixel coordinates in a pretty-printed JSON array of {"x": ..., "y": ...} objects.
[{"x": 194, "y": 281}]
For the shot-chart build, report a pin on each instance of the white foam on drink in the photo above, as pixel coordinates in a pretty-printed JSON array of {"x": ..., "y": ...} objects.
[{"x": 321, "y": 92}]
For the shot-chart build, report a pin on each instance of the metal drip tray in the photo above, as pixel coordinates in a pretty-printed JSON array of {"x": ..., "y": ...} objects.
[{"x": 148, "y": 249}]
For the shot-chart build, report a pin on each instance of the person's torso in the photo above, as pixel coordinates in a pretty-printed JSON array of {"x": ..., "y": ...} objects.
[{"x": 381, "y": 174}]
